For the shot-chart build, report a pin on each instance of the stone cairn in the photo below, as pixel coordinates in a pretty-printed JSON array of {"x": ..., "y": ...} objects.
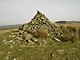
[{"x": 38, "y": 30}]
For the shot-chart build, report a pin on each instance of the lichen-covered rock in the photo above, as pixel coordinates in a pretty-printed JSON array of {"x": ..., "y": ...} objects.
[{"x": 31, "y": 31}]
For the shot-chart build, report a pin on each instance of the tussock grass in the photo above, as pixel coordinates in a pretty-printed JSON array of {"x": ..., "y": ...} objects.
[
  {"x": 43, "y": 33},
  {"x": 71, "y": 32}
]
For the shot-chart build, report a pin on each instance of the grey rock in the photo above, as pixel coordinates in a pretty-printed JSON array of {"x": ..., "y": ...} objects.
[
  {"x": 31, "y": 42},
  {"x": 35, "y": 39},
  {"x": 28, "y": 36}
]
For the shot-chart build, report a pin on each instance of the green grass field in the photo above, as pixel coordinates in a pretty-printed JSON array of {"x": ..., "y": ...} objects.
[{"x": 16, "y": 51}]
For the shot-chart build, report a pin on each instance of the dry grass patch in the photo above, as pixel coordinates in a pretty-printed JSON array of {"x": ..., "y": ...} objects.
[{"x": 71, "y": 32}]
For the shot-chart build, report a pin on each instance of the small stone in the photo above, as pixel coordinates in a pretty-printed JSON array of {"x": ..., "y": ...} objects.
[
  {"x": 28, "y": 36},
  {"x": 31, "y": 42},
  {"x": 52, "y": 54},
  {"x": 12, "y": 33},
  {"x": 11, "y": 46},
  {"x": 42, "y": 18},
  {"x": 57, "y": 40},
  {"x": 19, "y": 38},
  {"x": 45, "y": 42},
  {"x": 14, "y": 58},
  {"x": 13, "y": 36},
  {"x": 4, "y": 40},
  {"x": 11, "y": 41},
  {"x": 7, "y": 57},
  {"x": 35, "y": 39},
  {"x": 33, "y": 22},
  {"x": 41, "y": 44},
  {"x": 60, "y": 51},
  {"x": 8, "y": 52}
]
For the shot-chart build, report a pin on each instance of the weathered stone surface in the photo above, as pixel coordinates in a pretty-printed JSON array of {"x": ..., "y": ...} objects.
[
  {"x": 35, "y": 39},
  {"x": 29, "y": 31},
  {"x": 28, "y": 36}
]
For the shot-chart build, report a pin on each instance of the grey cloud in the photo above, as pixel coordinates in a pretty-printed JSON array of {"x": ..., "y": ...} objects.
[{"x": 21, "y": 11}]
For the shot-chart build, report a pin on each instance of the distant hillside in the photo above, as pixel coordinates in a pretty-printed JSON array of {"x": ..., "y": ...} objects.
[
  {"x": 67, "y": 22},
  {"x": 61, "y": 22},
  {"x": 9, "y": 26}
]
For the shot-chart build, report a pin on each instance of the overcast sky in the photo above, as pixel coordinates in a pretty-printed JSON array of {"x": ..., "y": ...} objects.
[{"x": 21, "y": 11}]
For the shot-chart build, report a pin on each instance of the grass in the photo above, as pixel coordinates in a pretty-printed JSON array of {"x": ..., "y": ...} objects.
[
  {"x": 58, "y": 51},
  {"x": 71, "y": 32}
]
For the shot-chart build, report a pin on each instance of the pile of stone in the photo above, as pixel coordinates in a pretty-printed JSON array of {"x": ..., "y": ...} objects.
[{"x": 38, "y": 29}]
